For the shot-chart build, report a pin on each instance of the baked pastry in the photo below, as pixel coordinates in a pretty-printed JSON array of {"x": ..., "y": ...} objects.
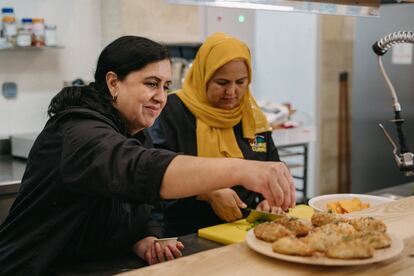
[
  {"x": 270, "y": 231},
  {"x": 350, "y": 249},
  {"x": 292, "y": 246}
]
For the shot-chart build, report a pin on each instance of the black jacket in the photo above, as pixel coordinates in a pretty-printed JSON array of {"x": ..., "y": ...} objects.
[
  {"x": 175, "y": 130},
  {"x": 83, "y": 194}
]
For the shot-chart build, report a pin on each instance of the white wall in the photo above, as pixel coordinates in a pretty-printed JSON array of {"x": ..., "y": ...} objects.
[
  {"x": 286, "y": 59},
  {"x": 285, "y": 67},
  {"x": 39, "y": 74},
  {"x": 226, "y": 20}
]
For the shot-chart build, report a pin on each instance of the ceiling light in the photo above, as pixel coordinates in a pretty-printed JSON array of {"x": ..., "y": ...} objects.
[{"x": 334, "y": 7}]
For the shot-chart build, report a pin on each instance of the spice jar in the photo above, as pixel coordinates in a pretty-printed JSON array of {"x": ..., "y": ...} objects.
[
  {"x": 10, "y": 30},
  {"x": 38, "y": 30},
  {"x": 24, "y": 37},
  {"x": 50, "y": 35}
]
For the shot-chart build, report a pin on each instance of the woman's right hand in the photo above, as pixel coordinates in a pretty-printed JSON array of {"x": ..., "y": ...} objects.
[
  {"x": 226, "y": 204},
  {"x": 264, "y": 206},
  {"x": 271, "y": 179}
]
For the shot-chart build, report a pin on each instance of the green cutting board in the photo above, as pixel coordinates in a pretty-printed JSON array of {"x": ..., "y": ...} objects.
[{"x": 234, "y": 232}]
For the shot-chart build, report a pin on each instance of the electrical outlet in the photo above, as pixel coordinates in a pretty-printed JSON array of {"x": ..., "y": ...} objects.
[{"x": 9, "y": 90}]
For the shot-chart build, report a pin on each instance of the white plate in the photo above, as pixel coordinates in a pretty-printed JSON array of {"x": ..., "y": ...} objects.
[
  {"x": 265, "y": 248},
  {"x": 319, "y": 203}
]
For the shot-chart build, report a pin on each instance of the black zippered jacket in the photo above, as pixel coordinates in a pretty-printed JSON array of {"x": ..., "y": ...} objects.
[{"x": 84, "y": 194}]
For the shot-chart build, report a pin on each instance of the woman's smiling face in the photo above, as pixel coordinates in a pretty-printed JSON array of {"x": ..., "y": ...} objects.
[{"x": 142, "y": 95}]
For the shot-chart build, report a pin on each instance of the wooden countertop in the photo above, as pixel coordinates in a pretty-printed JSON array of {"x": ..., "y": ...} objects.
[{"x": 238, "y": 259}]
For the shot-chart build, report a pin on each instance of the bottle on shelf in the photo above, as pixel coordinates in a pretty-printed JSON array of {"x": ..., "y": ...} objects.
[
  {"x": 50, "y": 35},
  {"x": 9, "y": 26},
  {"x": 24, "y": 33},
  {"x": 27, "y": 24},
  {"x": 38, "y": 32},
  {"x": 24, "y": 37}
]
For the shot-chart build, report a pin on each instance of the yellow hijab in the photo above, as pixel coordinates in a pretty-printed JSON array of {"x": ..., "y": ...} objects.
[{"x": 215, "y": 135}]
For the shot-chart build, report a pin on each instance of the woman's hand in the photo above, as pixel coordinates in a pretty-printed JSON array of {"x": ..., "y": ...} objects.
[
  {"x": 271, "y": 179},
  {"x": 225, "y": 203},
  {"x": 264, "y": 206},
  {"x": 151, "y": 251}
]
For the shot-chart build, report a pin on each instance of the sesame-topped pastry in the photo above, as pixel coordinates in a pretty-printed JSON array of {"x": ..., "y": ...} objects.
[
  {"x": 376, "y": 239},
  {"x": 368, "y": 224},
  {"x": 319, "y": 219},
  {"x": 292, "y": 246},
  {"x": 350, "y": 249},
  {"x": 270, "y": 231},
  {"x": 299, "y": 227}
]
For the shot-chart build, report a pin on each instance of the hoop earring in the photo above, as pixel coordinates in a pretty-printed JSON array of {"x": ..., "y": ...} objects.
[{"x": 115, "y": 97}]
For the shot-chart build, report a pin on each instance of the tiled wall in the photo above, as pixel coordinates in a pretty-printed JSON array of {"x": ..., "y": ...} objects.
[
  {"x": 154, "y": 19},
  {"x": 336, "y": 55},
  {"x": 39, "y": 74}
]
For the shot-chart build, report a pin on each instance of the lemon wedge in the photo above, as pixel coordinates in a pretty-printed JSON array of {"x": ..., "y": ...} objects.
[{"x": 301, "y": 211}]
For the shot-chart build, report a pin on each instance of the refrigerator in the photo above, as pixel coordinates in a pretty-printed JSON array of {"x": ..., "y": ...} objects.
[{"x": 372, "y": 163}]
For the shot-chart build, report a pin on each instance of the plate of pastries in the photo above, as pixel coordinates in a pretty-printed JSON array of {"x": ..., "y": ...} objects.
[{"x": 326, "y": 239}]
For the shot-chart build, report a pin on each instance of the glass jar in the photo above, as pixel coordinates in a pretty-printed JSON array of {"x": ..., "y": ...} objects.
[
  {"x": 24, "y": 38},
  {"x": 38, "y": 32},
  {"x": 8, "y": 26},
  {"x": 50, "y": 35},
  {"x": 10, "y": 29},
  {"x": 27, "y": 24}
]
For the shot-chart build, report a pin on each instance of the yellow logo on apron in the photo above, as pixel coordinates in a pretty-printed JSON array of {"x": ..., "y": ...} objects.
[{"x": 258, "y": 144}]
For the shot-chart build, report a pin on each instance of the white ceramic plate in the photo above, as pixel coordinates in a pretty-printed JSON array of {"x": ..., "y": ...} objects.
[
  {"x": 265, "y": 248},
  {"x": 319, "y": 203}
]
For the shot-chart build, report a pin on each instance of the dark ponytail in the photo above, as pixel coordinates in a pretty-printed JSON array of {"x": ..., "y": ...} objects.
[
  {"x": 68, "y": 96},
  {"x": 123, "y": 56}
]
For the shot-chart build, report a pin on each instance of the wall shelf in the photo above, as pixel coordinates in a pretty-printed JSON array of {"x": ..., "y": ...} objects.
[{"x": 30, "y": 48}]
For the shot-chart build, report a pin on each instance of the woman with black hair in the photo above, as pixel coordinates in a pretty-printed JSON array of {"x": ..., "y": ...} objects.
[{"x": 91, "y": 173}]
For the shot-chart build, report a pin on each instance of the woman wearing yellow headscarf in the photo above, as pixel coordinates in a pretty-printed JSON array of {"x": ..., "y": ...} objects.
[{"x": 215, "y": 115}]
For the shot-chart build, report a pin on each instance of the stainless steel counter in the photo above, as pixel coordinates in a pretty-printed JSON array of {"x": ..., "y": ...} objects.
[
  {"x": 11, "y": 173},
  {"x": 11, "y": 170},
  {"x": 396, "y": 192}
]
